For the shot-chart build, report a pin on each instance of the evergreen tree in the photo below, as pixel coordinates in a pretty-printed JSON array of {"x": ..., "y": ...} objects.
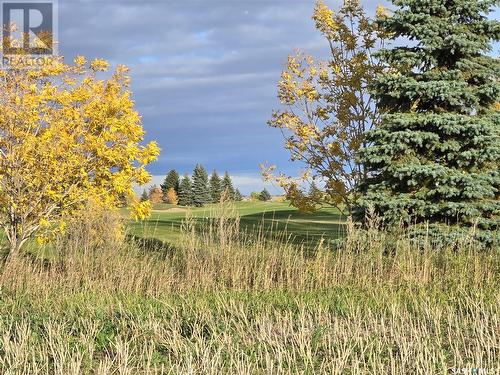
[
  {"x": 237, "y": 196},
  {"x": 227, "y": 187},
  {"x": 315, "y": 199},
  {"x": 201, "y": 192},
  {"x": 185, "y": 192},
  {"x": 144, "y": 196},
  {"x": 172, "y": 180},
  {"x": 435, "y": 156},
  {"x": 215, "y": 187},
  {"x": 314, "y": 191},
  {"x": 264, "y": 196}
]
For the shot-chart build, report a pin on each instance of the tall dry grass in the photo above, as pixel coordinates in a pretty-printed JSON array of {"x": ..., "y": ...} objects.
[{"x": 227, "y": 302}]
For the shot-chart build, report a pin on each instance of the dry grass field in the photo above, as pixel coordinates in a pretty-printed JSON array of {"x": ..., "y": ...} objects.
[{"x": 223, "y": 302}]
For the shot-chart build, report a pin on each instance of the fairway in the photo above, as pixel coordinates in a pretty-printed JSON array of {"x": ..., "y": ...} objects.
[{"x": 277, "y": 219}]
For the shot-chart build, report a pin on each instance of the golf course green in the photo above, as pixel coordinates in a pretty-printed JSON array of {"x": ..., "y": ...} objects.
[{"x": 278, "y": 219}]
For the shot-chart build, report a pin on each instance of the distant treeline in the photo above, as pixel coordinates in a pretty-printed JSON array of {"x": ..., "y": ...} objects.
[{"x": 197, "y": 190}]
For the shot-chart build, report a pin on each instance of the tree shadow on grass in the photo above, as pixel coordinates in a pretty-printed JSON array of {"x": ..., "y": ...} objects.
[
  {"x": 288, "y": 226},
  {"x": 299, "y": 228},
  {"x": 152, "y": 245}
]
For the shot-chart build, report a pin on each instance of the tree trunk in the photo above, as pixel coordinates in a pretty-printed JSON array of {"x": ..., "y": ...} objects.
[
  {"x": 14, "y": 249},
  {"x": 15, "y": 244}
]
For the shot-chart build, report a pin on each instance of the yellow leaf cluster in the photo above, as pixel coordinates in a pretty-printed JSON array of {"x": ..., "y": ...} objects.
[
  {"x": 99, "y": 65},
  {"x": 381, "y": 12},
  {"x": 299, "y": 80},
  {"x": 324, "y": 18},
  {"x": 141, "y": 210},
  {"x": 67, "y": 136}
]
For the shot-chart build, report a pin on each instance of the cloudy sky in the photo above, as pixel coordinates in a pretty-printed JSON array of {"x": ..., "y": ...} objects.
[{"x": 204, "y": 72}]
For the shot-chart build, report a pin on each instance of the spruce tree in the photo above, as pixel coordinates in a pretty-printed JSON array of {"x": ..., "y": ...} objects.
[
  {"x": 265, "y": 195},
  {"x": 227, "y": 187},
  {"x": 172, "y": 180},
  {"x": 435, "y": 156},
  {"x": 316, "y": 197},
  {"x": 201, "y": 193},
  {"x": 215, "y": 187},
  {"x": 315, "y": 193},
  {"x": 144, "y": 196},
  {"x": 185, "y": 192},
  {"x": 237, "y": 196}
]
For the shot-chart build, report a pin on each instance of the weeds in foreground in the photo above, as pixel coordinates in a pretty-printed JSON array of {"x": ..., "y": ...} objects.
[{"x": 223, "y": 302}]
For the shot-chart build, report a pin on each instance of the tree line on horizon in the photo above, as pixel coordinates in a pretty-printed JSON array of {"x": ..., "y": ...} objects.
[{"x": 196, "y": 190}]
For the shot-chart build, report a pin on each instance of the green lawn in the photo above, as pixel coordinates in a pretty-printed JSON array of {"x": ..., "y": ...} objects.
[{"x": 272, "y": 218}]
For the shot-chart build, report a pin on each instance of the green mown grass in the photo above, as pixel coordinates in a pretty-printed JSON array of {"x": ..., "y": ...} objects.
[{"x": 267, "y": 217}]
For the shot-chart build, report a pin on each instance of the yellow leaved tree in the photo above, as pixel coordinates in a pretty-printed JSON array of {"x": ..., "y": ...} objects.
[
  {"x": 327, "y": 108},
  {"x": 172, "y": 197},
  {"x": 155, "y": 195},
  {"x": 66, "y": 136}
]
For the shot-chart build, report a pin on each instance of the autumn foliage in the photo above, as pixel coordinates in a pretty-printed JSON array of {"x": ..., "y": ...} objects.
[
  {"x": 172, "y": 197},
  {"x": 66, "y": 136},
  {"x": 327, "y": 109},
  {"x": 156, "y": 195}
]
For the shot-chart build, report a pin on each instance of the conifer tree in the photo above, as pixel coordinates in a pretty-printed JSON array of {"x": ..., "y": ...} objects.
[
  {"x": 185, "y": 192},
  {"x": 316, "y": 195},
  {"x": 265, "y": 196},
  {"x": 237, "y": 196},
  {"x": 172, "y": 180},
  {"x": 215, "y": 187},
  {"x": 144, "y": 196},
  {"x": 227, "y": 186},
  {"x": 201, "y": 192},
  {"x": 435, "y": 156}
]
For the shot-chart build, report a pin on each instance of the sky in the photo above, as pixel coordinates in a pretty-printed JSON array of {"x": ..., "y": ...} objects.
[{"x": 204, "y": 73}]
